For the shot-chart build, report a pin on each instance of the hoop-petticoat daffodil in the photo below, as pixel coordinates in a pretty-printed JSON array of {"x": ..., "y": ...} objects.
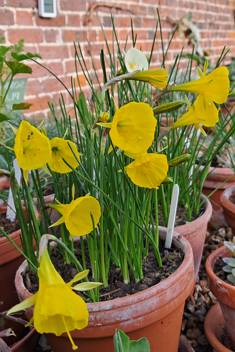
[
  {"x": 148, "y": 170},
  {"x": 156, "y": 77},
  {"x": 133, "y": 127},
  {"x": 60, "y": 149},
  {"x": 32, "y": 148},
  {"x": 135, "y": 60},
  {"x": 214, "y": 86},
  {"x": 200, "y": 112},
  {"x": 57, "y": 308},
  {"x": 77, "y": 215}
]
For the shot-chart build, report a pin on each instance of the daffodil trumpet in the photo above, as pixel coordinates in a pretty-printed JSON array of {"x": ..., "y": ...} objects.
[
  {"x": 57, "y": 309},
  {"x": 213, "y": 87},
  {"x": 201, "y": 112}
]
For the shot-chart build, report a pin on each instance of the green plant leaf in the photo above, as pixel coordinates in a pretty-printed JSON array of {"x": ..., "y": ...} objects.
[
  {"x": 168, "y": 107},
  {"x": 231, "y": 278},
  {"x": 21, "y": 57},
  {"x": 122, "y": 343},
  {"x": 17, "y": 67},
  {"x": 4, "y": 50},
  {"x": 142, "y": 345},
  {"x": 4, "y": 117},
  {"x": 21, "y": 106},
  {"x": 230, "y": 261},
  {"x": 230, "y": 247}
]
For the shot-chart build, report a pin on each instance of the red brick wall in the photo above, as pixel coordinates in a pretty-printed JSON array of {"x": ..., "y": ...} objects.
[{"x": 53, "y": 38}]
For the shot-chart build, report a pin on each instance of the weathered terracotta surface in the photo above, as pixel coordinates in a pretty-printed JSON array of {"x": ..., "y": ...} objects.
[
  {"x": 224, "y": 292},
  {"x": 155, "y": 313},
  {"x": 229, "y": 207},
  {"x": 195, "y": 233},
  {"x": 214, "y": 179},
  {"x": 213, "y": 327}
]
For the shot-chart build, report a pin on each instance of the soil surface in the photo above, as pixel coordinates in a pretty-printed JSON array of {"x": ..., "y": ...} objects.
[
  {"x": 8, "y": 226},
  {"x": 171, "y": 260}
]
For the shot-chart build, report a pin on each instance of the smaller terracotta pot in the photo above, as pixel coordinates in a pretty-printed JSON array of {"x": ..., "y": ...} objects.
[
  {"x": 214, "y": 179},
  {"x": 184, "y": 346},
  {"x": 195, "y": 233},
  {"x": 229, "y": 207},
  {"x": 4, "y": 183},
  {"x": 28, "y": 343},
  {"x": 224, "y": 292},
  {"x": 213, "y": 327}
]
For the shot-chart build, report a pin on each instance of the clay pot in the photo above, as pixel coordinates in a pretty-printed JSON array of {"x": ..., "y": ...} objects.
[
  {"x": 214, "y": 179},
  {"x": 4, "y": 185},
  {"x": 224, "y": 292},
  {"x": 28, "y": 343},
  {"x": 195, "y": 233},
  {"x": 155, "y": 313},
  {"x": 213, "y": 327},
  {"x": 184, "y": 346},
  {"x": 229, "y": 207}
]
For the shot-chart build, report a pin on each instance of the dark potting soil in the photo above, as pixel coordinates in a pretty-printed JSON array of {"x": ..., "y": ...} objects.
[
  {"x": 225, "y": 339},
  {"x": 218, "y": 270},
  {"x": 8, "y": 226},
  {"x": 232, "y": 199},
  {"x": 181, "y": 215},
  {"x": 117, "y": 288}
]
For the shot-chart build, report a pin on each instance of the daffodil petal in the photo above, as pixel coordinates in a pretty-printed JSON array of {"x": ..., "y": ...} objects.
[{"x": 28, "y": 302}]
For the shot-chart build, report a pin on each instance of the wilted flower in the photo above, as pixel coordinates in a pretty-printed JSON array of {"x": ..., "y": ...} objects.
[
  {"x": 135, "y": 60},
  {"x": 57, "y": 308},
  {"x": 133, "y": 127},
  {"x": 61, "y": 150},
  {"x": 77, "y": 215},
  {"x": 214, "y": 87},
  {"x": 200, "y": 112},
  {"x": 156, "y": 77},
  {"x": 148, "y": 170},
  {"x": 32, "y": 148}
]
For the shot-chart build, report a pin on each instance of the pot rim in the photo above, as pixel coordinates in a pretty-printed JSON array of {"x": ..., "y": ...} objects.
[
  {"x": 159, "y": 289},
  {"x": 212, "y": 317},
  {"x": 215, "y": 283},
  {"x": 225, "y": 199},
  {"x": 205, "y": 217}
]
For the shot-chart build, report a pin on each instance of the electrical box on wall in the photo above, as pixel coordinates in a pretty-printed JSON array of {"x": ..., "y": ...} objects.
[{"x": 47, "y": 8}]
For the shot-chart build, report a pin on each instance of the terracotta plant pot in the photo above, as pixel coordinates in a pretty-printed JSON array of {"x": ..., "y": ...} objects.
[
  {"x": 4, "y": 185},
  {"x": 214, "y": 179},
  {"x": 155, "y": 313},
  {"x": 224, "y": 292},
  {"x": 195, "y": 233},
  {"x": 184, "y": 346},
  {"x": 213, "y": 327},
  {"x": 229, "y": 207},
  {"x": 28, "y": 343}
]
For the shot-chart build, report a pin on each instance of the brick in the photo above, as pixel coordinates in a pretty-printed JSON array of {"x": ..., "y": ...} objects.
[
  {"x": 33, "y": 87},
  {"x": 69, "y": 66},
  {"x": 39, "y": 103},
  {"x": 32, "y": 35},
  {"x": 74, "y": 35},
  {"x": 56, "y": 67},
  {"x": 107, "y": 21},
  {"x": 72, "y": 5},
  {"x": 54, "y": 52},
  {"x": 73, "y": 20},
  {"x": 52, "y": 35},
  {"x": 58, "y": 21},
  {"x": 38, "y": 71},
  {"x": 22, "y": 3},
  {"x": 6, "y": 17},
  {"x": 51, "y": 85},
  {"x": 1, "y": 2},
  {"x": 24, "y": 18}
]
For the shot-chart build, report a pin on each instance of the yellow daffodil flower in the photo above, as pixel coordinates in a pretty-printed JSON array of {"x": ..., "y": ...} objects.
[
  {"x": 156, "y": 77},
  {"x": 133, "y": 127},
  {"x": 200, "y": 112},
  {"x": 60, "y": 150},
  {"x": 57, "y": 308},
  {"x": 77, "y": 215},
  {"x": 32, "y": 148},
  {"x": 214, "y": 86},
  {"x": 135, "y": 60},
  {"x": 148, "y": 170}
]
